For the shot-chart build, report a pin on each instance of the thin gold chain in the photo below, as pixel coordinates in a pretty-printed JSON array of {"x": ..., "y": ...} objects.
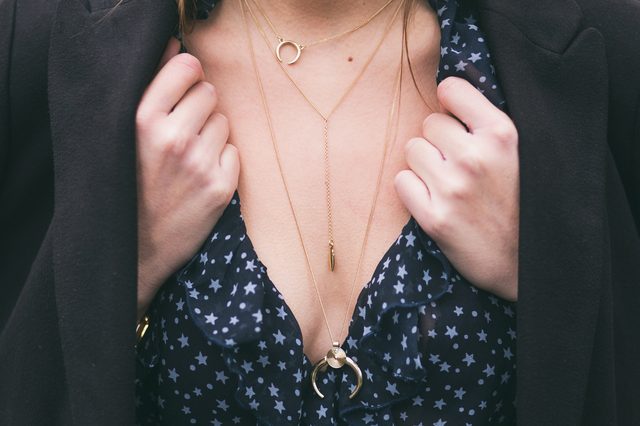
[
  {"x": 325, "y": 39},
  {"x": 393, "y": 113},
  {"x": 327, "y": 194},
  {"x": 350, "y": 88},
  {"x": 326, "y": 117}
]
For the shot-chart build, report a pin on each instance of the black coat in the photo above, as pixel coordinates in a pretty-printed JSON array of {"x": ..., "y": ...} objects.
[{"x": 71, "y": 75}]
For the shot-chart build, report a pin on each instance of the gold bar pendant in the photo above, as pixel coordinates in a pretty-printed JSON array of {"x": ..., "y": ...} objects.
[{"x": 332, "y": 257}]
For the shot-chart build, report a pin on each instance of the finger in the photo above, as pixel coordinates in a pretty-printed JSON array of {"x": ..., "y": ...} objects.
[
  {"x": 172, "y": 82},
  {"x": 230, "y": 163},
  {"x": 445, "y": 133},
  {"x": 214, "y": 135},
  {"x": 172, "y": 49},
  {"x": 195, "y": 107},
  {"x": 414, "y": 194},
  {"x": 466, "y": 102},
  {"x": 425, "y": 160}
]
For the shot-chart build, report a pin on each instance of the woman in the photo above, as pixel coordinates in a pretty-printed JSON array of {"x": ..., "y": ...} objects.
[
  {"x": 578, "y": 242},
  {"x": 410, "y": 333}
]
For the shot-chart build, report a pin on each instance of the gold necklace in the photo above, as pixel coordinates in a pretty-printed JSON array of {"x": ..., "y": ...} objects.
[
  {"x": 299, "y": 47},
  {"x": 336, "y": 357},
  {"x": 325, "y": 119}
]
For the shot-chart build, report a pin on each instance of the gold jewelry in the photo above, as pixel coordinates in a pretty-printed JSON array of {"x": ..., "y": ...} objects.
[
  {"x": 142, "y": 327},
  {"x": 336, "y": 357},
  {"x": 325, "y": 119},
  {"x": 299, "y": 47}
]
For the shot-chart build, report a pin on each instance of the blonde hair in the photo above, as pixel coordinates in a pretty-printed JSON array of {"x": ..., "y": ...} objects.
[{"x": 186, "y": 14}]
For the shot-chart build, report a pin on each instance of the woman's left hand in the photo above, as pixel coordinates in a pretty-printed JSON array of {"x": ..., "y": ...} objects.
[{"x": 463, "y": 186}]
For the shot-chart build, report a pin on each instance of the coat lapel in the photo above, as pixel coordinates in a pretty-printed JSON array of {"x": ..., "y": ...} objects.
[
  {"x": 553, "y": 73},
  {"x": 101, "y": 58}
]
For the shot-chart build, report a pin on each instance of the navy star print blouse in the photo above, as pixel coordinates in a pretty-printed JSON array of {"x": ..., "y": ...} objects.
[{"x": 224, "y": 347}]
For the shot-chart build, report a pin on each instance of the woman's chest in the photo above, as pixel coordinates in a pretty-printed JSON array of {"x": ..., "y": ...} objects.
[
  {"x": 320, "y": 144},
  {"x": 307, "y": 211},
  {"x": 302, "y": 190}
]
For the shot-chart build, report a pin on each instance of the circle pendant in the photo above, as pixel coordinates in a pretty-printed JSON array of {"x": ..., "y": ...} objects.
[
  {"x": 295, "y": 45},
  {"x": 336, "y": 357}
]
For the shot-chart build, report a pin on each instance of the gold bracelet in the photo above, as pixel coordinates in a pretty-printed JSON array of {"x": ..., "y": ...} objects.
[{"x": 141, "y": 328}]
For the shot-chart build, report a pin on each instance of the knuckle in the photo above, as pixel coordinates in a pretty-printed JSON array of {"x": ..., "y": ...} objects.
[
  {"x": 458, "y": 189},
  {"x": 143, "y": 119},
  {"x": 471, "y": 162},
  {"x": 505, "y": 131},
  {"x": 196, "y": 167},
  {"x": 175, "y": 141},
  {"x": 219, "y": 191},
  {"x": 438, "y": 222}
]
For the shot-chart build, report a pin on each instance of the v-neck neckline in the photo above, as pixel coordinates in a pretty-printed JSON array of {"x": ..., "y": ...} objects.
[{"x": 272, "y": 286}]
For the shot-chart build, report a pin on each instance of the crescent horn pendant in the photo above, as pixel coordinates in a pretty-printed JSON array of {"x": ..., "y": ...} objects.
[
  {"x": 336, "y": 358},
  {"x": 295, "y": 45}
]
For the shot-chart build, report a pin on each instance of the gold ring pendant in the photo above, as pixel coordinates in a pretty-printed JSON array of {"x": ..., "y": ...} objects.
[
  {"x": 336, "y": 358},
  {"x": 295, "y": 45}
]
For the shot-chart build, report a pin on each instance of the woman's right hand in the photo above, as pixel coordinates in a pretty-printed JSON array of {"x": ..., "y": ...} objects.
[{"x": 187, "y": 172}]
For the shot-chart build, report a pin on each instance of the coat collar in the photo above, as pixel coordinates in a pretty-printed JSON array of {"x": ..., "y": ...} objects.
[
  {"x": 554, "y": 76},
  {"x": 100, "y": 60},
  {"x": 548, "y": 24}
]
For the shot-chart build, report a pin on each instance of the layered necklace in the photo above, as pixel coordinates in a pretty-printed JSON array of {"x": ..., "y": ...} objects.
[
  {"x": 298, "y": 46},
  {"x": 325, "y": 117},
  {"x": 336, "y": 356}
]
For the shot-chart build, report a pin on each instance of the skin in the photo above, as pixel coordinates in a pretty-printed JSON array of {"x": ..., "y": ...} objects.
[{"x": 461, "y": 186}]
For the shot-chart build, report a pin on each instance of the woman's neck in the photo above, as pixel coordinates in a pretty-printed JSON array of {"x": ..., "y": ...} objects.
[{"x": 306, "y": 19}]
